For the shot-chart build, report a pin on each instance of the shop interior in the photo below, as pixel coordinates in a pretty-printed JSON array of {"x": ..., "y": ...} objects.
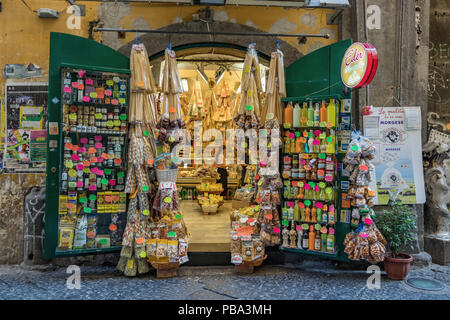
[{"x": 211, "y": 83}]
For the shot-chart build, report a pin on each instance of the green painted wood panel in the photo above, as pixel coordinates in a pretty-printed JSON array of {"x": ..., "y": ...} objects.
[
  {"x": 77, "y": 52},
  {"x": 318, "y": 73}
]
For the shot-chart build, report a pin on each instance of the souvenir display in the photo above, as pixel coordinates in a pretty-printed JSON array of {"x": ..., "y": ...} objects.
[
  {"x": 365, "y": 241},
  {"x": 92, "y": 202}
]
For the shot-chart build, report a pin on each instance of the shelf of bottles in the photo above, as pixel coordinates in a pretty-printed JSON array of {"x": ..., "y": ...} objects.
[
  {"x": 92, "y": 201},
  {"x": 309, "y": 169}
]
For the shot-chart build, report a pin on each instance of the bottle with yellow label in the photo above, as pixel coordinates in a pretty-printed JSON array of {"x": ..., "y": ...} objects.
[{"x": 331, "y": 113}]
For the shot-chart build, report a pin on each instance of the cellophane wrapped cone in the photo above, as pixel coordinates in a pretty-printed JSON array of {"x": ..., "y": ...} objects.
[
  {"x": 276, "y": 89},
  {"x": 249, "y": 111}
]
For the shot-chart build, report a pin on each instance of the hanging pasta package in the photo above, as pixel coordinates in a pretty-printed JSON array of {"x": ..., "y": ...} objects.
[{"x": 250, "y": 105}]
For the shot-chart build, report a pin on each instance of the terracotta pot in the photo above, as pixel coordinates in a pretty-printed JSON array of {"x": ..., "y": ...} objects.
[{"x": 397, "y": 268}]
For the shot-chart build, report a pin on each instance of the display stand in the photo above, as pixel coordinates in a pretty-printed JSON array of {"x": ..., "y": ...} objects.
[{"x": 249, "y": 267}]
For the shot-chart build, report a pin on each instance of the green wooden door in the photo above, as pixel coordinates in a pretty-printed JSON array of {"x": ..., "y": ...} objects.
[{"x": 73, "y": 52}]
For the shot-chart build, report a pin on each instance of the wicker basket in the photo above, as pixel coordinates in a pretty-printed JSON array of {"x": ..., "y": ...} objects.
[
  {"x": 210, "y": 209},
  {"x": 169, "y": 175}
]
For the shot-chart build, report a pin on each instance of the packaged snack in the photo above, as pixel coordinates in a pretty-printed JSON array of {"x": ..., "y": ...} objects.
[
  {"x": 151, "y": 249},
  {"x": 235, "y": 244},
  {"x": 182, "y": 251},
  {"x": 161, "y": 251},
  {"x": 79, "y": 241},
  {"x": 247, "y": 250},
  {"x": 65, "y": 238},
  {"x": 172, "y": 250}
]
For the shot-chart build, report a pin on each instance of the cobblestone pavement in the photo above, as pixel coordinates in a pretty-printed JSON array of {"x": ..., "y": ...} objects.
[{"x": 308, "y": 281}]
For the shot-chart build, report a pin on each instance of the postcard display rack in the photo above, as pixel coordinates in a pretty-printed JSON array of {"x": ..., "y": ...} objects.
[
  {"x": 314, "y": 212},
  {"x": 92, "y": 199}
]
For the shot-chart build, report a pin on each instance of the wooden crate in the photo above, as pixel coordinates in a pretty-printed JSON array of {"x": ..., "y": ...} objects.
[
  {"x": 166, "y": 270},
  {"x": 249, "y": 267}
]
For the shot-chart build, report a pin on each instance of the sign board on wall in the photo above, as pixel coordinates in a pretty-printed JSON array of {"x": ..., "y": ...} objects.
[
  {"x": 359, "y": 65},
  {"x": 25, "y": 127},
  {"x": 396, "y": 133}
]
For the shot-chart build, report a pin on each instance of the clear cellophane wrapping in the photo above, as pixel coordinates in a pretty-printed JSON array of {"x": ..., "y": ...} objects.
[
  {"x": 224, "y": 106},
  {"x": 276, "y": 88},
  {"x": 171, "y": 87},
  {"x": 250, "y": 85}
]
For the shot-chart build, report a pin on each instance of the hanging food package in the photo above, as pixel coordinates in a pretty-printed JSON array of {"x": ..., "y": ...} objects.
[{"x": 276, "y": 89}]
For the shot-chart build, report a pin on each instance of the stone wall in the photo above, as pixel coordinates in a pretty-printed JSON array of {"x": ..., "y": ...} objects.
[{"x": 13, "y": 191}]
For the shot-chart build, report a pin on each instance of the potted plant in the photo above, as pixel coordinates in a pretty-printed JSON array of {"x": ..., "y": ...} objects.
[{"x": 397, "y": 225}]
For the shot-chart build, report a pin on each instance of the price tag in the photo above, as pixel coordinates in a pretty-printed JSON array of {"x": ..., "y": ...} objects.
[
  {"x": 248, "y": 107},
  {"x": 120, "y": 174},
  {"x": 82, "y": 149},
  {"x": 355, "y": 148},
  {"x": 172, "y": 234},
  {"x": 329, "y": 139},
  {"x": 104, "y": 181},
  {"x": 80, "y": 166},
  {"x": 298, "y": 228},
  {"x": 276, "y": 230},
  {"x": 67, "y": 89},
  {"x": 178, "y": 216},
  {"x": 123, "y": 117},
  {"x": 316, "y": 142},
  {"x": 109, "y": 82},
  {"x": 122, "y": 100},
  {"x": 307, "y": 203},
  {"x": 112, "y": 227},
  {"x": 112, "y": 182},
  {"x": 93, "y": 95},
  {"x": 86, "y": 99},
  {"x": 310, "y": 123},
  {"x": 328, "y": 190},
  {"x": 291, "y": 135},
  {"x": 145, "y": 212},
  {"x": 92, "y": 187},
  {"x": 92, "y": 197},
  {"x": 79, "y": 184},
  {"x": 146, "y": 133},
  {"x": 87, "y": 210},
  {"x": 317, "y": 227},
  {"x": 301, "y": 205},
  {"x": 83, "y": 200},
  {"x": 68, "y": 164},
  {"x": 323, "y": 124},
  {"x": 145, "y": 188},
  {"x": 107, "y": 171},
  {"x": 319, "y": 205},
  {"x": 317, "y": 133},
  {"x": 72, "y": 173},
  {"x": 108, "y": 93},
  {"x": 305, "y": 226},
  {"x": 285, "y": 222},
  {"x": 75, "y": 157}
]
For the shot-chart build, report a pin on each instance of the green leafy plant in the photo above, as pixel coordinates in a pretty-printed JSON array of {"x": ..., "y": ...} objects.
[{"x": 397, "y": 225}]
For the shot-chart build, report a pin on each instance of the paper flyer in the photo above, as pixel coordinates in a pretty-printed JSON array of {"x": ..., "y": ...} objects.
[
  {"x": 31, "y": 117},
  {"x": 396, "y": 134}
]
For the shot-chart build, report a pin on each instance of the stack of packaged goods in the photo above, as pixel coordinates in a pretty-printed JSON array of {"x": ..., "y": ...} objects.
[{"x": 365, "y": 241}]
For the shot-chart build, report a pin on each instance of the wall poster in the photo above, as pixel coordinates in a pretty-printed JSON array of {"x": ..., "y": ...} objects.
[
  {"x": 25, "y": 127},
  {"x": 396, "y": 133}
]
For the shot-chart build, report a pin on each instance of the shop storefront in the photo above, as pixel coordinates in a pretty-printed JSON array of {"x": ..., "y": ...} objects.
[{"x": 115, "y": 183}]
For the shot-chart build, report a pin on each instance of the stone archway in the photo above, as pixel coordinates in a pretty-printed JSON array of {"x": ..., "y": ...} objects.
[{"x": 156, "y": 43}]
